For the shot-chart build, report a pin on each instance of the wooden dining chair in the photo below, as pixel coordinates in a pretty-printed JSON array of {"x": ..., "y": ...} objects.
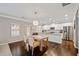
[{"x": 36, "y": 44}]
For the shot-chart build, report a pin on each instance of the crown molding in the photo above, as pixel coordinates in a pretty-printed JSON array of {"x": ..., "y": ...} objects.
[{"x": 14, "y": 17}]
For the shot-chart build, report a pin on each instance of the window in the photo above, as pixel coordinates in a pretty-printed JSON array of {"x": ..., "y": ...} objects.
[
  {"x": 15, "y": 30},
  {"x": 28, "y": 30}
]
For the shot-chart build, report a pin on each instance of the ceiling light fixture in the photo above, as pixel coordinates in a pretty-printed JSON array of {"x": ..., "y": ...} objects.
[
  {"x": 66, "y": 15},
  {"x": 50, "y": 19},
  {"x": 35, "y": 22}
]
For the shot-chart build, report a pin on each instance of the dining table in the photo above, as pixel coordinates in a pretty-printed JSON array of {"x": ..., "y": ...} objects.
[{"x": 37, "y": 40}]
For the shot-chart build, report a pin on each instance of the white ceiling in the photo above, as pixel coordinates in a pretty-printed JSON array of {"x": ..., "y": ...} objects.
[{"x": 44, "y": 11}]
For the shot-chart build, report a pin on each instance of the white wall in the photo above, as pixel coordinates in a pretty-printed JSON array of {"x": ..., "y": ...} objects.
[
  {"x": 5, "y": 29},
  {"x": 5, "y": 34},
  {"x": 5, "y": 50},
  {"x": 78, "y": 30},
  {"x": 75, "y": 20}
]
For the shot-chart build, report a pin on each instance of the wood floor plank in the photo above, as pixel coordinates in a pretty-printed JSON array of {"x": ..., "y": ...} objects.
[{"x": 57, "y": 50}]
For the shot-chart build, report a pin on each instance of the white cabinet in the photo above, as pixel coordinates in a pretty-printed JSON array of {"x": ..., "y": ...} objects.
[{"x": 55, "y": 37}]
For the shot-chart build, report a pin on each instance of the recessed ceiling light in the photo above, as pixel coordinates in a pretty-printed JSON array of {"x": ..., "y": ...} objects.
[
  {"x": 35, "y": 22},
  {"x": 66, "y": 15},
  {"x": 50, "y": 19}
]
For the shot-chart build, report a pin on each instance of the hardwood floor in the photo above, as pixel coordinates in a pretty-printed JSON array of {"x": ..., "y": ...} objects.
[{"x": 55, "y": 49}]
